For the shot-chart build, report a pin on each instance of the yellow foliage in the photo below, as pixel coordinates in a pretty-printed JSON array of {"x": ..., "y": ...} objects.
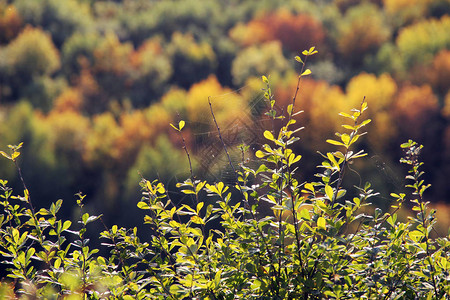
[
  {"x": 254, "y": 32},
  {"x": 158, "y": 119},
  {"x": 194, "y": 51},
  {"x": 174, "y": 101},
  {"x": 404, "y": 11},
  {"x": 379, "y": 92},
  {"x": 112, "y": 56},
  {"x": 227, "y": 104},
  {"x": 33, "y": 53},
  {"x": 68, "y": 130},
  {"x": 100, "y": 144},
  {"x": 419, "y": 42}
]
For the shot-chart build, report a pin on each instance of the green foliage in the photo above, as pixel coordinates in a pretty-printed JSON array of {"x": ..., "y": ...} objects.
[
  {"x": 61, "y": 18},
  {"x": 32, "y": 53},
  {"x": 191, "y": 61},
  {"x": 319, "y": 240},
  {"x": 256, "y": 60},
  {"x": 421, "y": 41}
]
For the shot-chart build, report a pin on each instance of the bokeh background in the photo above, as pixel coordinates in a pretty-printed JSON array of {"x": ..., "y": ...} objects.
[{"x": 90, "y": 87}]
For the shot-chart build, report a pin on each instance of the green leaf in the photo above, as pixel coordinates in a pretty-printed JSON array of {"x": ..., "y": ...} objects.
[
  {"x": 416, "y": 235},
  {"x": 66, "y": 225},
  {"x": 84, "y": 218}
]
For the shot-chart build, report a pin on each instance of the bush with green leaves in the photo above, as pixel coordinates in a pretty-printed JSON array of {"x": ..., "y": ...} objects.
[{"x": 318, "y": 241}]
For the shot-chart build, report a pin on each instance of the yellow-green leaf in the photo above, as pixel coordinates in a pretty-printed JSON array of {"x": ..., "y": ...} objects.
[
  {"x": 259, "y": 154},
  {"x": 197, "y": 220},
  {"x": 181, "y": 124},
  {"x": 333, "y": 142},
  {"x": 268, "y": 135},
  {"x": 306, "y": 72},
  {"x": 321, "y": 223},
  {"x": 333, "y": 160},
  {"x": 345, "y": 138},
  {"x": 329, "y": 192},
  {"x": 304, "y": 214}
]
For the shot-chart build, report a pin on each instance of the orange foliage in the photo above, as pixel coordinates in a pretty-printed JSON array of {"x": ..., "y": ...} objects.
[
  {"x": 440, "y": 72},
  {"x": 150, "y": 46},
  {"x": 446, "y": 108},
  {"x": 295, "y": 32},
  {"x": 227, "y": 105},
  {"x": 414, "y": 107},
  {"x": 10, "y": 23},
  {"x": 70, "y": 99},
  {"x": 320, "y": 103},
  {"x": 406, "y": 11}
]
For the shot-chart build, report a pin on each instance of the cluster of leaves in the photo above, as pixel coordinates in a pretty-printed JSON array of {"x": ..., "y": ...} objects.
[
  {"x": 318, "y": 242},
  {"x": 102, "y": 79}
]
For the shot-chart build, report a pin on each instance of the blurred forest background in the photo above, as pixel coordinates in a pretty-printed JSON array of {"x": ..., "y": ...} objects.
[{"x": 90, "y": 87}]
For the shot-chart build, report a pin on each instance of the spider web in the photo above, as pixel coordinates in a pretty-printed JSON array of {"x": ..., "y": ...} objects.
[{"x": 244, "y": 130}]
